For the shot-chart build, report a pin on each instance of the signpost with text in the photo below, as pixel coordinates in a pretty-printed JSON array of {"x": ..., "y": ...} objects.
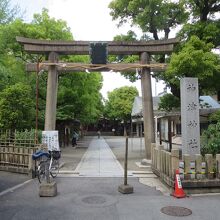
[{"x": 190, "y": 124}]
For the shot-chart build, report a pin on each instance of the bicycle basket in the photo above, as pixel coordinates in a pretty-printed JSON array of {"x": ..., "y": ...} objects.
[{"x": 56, "y": 155}]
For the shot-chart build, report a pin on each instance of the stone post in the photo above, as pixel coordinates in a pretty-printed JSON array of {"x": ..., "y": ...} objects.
[
  {"x": 147, "y": 104},
  {"x": 198, "y": 166},
  {"x": 168, "y": 163},
  {"x": 218, "y": 165},
  {"x": 51, "y": 101},
  {"x": 187, "y": 159},
  {"x": 190, "y": 124},
  {"x": 174, "y": 161},
  {"x": 160, "y": 147},
  {"x": 153, "y": 154},
  {"x": 209, "y": 166}
]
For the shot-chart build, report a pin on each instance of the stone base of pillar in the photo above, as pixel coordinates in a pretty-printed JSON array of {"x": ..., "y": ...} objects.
[
  {"x": 146, "y": 162},
  {"x": 125, "y": 189},
  {"x": 48, "y": 189}
]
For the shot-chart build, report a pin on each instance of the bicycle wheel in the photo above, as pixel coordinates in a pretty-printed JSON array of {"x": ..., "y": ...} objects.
[
  {"x": 41, "y": 171},
  {"x": 54, "y": 170}
]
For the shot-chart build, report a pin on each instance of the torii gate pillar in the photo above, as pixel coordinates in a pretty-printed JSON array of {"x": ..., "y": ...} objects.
[
  {"x": 51, "y": 101},
  {"x": 147, "y": 104}
]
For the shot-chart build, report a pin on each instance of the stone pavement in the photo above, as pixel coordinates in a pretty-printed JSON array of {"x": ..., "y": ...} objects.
[{"x": 99, "y": 161}]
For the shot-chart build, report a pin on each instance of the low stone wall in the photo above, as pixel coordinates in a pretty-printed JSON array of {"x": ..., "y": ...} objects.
[{"x": 198, "y": 174}]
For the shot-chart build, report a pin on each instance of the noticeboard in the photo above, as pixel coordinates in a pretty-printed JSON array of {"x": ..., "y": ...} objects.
[{"x": 51, "y": 139}]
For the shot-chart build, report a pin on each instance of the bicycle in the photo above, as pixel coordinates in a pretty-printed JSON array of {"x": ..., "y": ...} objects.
[{"x": 48, "y": 165}]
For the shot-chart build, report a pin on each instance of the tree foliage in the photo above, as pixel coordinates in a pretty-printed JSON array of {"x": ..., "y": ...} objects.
[
  {"x": 203, "y": 9},
  {"x": 208, "y": 31},
  {"x": 168, "y": 102},
  {"x": 194, "y": 60},
  {"x": 7, "y": 12},
  {"x": 211, "y": 140},
  {"x": 119, "y": 104},
  {"x": 79, "y": 97},
  {"x": 16, "y": 107},
  {"x": 161, "y": 16},
  {"x": 78, "y": 94},
  {"x": 150, "y": 15}
]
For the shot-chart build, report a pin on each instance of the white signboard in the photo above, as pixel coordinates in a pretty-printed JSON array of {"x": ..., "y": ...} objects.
[{"x": 51, "y": 139}]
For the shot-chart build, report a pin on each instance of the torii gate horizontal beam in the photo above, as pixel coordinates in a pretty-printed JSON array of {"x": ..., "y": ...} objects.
[
  {"x": 81, "y": 67},
  {"x": 83, "y": 47}
]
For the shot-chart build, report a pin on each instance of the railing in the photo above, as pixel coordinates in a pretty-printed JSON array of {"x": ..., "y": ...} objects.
[
  {"x": 197, "y": 173},
  {"x": 164, "y": 163},
  {"x": 17, "y": 138},
  {"x": 17, "y": 159}
]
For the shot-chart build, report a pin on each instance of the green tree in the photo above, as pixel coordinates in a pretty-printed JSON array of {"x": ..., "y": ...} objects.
[
  {"x": 194, "y": 60},
  {"x": 215, "y": 117},
  {"x": 205, "y": 24},
  {"x": 79, "y": 97},
  {"x": 210, "y": 143},
  {"x": 194, "y": 57},
  {"x": 168, "y": 102},
  {"x": 151, "y": 16},
  {"x": 119, "y": 104},
  {"x": 203, "y": 9},
  {"x": 207, "y": 31},
  {"x": 7, "y": 12},
  {"x": 16, "y": 107},
  {"x": 130, "y": 36},
  {"x": 78, "y": 94}
]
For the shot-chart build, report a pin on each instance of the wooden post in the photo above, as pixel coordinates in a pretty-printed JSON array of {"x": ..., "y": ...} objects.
[
  {"x": 126, "y": 188},
  {"x": 37, "y": 97},
  {"x": 126, "y": 163},
  {"x": 169, "y": 134},
  {"x": 51, "y": 102},
  {"x": 147, "y": 103}
]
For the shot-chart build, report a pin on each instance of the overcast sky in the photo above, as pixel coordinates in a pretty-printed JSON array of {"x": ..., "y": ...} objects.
[{"x": 89, "y": 20}]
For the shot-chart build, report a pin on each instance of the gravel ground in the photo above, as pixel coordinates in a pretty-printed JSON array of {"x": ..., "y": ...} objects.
[{"x": 71, "y": 156}]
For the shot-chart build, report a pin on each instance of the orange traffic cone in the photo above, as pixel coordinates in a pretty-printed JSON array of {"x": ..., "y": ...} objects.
[{"x": 178, "y": 192}]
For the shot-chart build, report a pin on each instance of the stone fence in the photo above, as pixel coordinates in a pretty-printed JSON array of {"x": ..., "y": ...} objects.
[{"x": 198, "y": 174}]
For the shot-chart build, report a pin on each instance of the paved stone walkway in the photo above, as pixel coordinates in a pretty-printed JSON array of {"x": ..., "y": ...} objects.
[{"x": 99, "y": 161}]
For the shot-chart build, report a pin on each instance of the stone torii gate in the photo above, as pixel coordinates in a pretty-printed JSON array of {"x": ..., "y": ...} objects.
[{"x": 142, "y": 48}]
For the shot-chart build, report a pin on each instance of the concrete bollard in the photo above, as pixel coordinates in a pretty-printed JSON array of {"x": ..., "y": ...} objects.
[{"x": 48, "y": 189}]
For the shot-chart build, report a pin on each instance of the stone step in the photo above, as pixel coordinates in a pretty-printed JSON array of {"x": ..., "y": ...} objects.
[
  {"x": 68, "y": 172},
  {"x": 137, "y": 174}
]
